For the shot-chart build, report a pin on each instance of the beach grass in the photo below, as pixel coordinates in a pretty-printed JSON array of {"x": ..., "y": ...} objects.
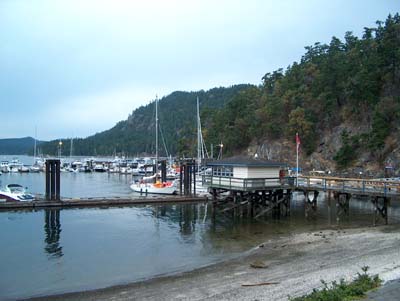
[{"x": 342, "y": 290}]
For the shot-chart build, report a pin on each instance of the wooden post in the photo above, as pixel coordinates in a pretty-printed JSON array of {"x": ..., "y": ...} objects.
[
  {"x": 163, "y": 171},
  {"x": 342, "y": 204},
  {"x": 53, "y": 180},
  {"x": 57, "y": 171},
  {"x": 180, "y": 177},
  {"x": 48, "y": 170},
  {"x": 186, "y": 179},
  {"x": 310, "y": 205},
  {"x": 380, "y": 209}
]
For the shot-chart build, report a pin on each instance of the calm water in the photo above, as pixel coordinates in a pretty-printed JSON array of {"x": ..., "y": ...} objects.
[
  {"x": 72, "y": 184},
  {"x": 55, "y": 251}
]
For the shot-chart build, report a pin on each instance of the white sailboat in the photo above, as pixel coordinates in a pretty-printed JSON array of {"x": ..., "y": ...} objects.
[
  {"x": 38, "y": 164},
  {"x": 201, "y": 155},
  {"x": 156, "y": 187}
]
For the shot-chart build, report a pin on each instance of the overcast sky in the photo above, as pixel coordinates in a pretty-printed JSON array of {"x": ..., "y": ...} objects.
[{"x": 74, "y": 68}]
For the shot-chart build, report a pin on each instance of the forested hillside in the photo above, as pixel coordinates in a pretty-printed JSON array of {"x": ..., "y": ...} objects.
[
  {"x": 136, "y": 135},
  {"x": 343, "y": 98},
  {"x": 17, "y": 146}
]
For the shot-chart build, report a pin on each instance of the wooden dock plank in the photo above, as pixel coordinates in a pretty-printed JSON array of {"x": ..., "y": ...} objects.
[{"x": 98, "y": 202}]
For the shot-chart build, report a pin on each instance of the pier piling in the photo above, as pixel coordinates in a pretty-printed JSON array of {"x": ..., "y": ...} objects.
[{"x": 53, "y": 180}]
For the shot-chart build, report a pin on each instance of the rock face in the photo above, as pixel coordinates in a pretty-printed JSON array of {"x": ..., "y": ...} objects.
[{"x": 386, "y": 163}]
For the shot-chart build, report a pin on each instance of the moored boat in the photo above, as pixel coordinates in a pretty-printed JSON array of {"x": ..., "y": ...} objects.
[
  {"x": 23, "y": 168},
  {"x": 5, "y": 166},
  {"x": 15, "y": 193},
  {"x": 155, "y": 188}
]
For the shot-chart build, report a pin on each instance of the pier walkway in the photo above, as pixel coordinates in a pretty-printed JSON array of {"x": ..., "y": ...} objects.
[
  {"x": 98, "y": 202},
  {"x": 371, "y": 187},
  {"x": 354, "y": 186}
]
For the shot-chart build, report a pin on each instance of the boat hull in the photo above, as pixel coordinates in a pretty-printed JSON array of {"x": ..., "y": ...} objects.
[
  {"x": 150, "y": 188},
  {"x": 15, "y": 193},
  {"x": 9, "y": 197}
]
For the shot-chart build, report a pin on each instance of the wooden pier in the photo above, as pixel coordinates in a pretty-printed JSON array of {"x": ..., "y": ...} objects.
[
  {"x": 257, "y": 197},
  {"x": 98, "y": 202},
  {"x": 379, "y": 191}
]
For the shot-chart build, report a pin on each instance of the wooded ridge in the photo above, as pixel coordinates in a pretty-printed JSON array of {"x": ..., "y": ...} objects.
[{"x": 343, "y": 98}]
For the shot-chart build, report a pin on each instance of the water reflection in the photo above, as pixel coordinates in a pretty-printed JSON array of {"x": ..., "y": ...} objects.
[
  {"x": 187, "y": 219},
  {"x": 140, "y": 242},
  {"x": 52, "y": 229}
]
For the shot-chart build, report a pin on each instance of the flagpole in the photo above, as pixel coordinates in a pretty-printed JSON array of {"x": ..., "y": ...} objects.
[{"x": 297, "y": 165}]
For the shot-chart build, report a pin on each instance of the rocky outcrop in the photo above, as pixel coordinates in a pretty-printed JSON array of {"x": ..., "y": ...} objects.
[{"x": 384, "y": 163}]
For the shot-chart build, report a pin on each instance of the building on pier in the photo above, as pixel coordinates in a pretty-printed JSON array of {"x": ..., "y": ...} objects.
[
  {"x": 254, "y": 186},
  {"x": 245, "y": 174}
]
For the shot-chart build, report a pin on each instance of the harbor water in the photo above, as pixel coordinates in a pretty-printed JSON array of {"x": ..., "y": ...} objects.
[{"x": 55, "y": 251}]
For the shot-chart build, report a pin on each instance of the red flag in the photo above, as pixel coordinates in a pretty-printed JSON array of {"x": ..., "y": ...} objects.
[{"x": 297, "y": 141}]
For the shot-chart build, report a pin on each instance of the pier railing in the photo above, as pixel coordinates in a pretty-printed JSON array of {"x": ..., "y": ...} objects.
[
  {"x": 351, "y": 185},
  {"x": 246, "y": 184}
]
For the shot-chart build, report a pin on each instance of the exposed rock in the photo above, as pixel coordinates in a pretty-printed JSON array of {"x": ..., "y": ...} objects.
[{"x": 367, "y": 164}]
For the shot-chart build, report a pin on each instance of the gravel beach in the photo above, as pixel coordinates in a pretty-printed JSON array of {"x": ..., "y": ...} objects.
[{"x": 288, "y": 266}]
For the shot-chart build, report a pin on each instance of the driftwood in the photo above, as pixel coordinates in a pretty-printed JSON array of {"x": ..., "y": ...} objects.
[{"x": 261, "y": 283}]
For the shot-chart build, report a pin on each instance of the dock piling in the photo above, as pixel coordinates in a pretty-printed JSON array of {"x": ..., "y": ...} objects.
[{"x": 53, "y": 180}]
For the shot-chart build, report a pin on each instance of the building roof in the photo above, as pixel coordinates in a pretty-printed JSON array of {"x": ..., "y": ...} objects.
[{"x": 246, "y": 161}]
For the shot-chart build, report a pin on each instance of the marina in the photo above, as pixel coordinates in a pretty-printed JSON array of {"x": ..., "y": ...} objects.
[
  {"x": 140, "y": 237},
  {"x": 192, "y": 151}
]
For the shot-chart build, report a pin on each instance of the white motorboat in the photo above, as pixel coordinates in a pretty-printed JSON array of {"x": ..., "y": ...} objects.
[
  {"x": 23, "y": 168},
  {"x": 100, "y": 168},
  {"x": 4, "y": 166},
  {"x": 15, "y": 165},
  {"x": 155, "y": 188},
  {"x": 15, "y": 193},
  {"x": 35, "y": 168}
]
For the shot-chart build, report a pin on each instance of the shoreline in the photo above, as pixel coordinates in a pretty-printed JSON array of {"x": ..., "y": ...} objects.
[{"x": 292, "y": 265}]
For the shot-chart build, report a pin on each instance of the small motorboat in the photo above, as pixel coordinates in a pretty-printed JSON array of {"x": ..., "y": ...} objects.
[
  {"x": 15, "y": 193},
  {"x": 155, "y": 188}
]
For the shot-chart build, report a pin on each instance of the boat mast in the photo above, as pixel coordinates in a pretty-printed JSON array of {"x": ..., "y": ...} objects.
[
  {"x": 71, "y": 148},
  {"x": 156, "y": 132},
  {"x": 34, "y": 148},
  {"x": 199, "y": 146}
]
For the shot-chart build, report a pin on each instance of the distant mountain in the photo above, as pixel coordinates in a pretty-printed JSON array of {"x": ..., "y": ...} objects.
[
  {"x": 17, "y": 146},
  {"x": 136, "y": 135}
]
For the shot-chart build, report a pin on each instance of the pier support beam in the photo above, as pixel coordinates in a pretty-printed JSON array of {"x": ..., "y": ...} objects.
[
  {"x": 380, "y": 209},
  {"x": 310, "y": 205},
  {"x": 342, "y": 204},
  {"x": 287, "y": 198}
]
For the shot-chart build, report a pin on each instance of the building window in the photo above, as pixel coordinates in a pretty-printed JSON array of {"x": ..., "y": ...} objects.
[{"x": 223, "y": 171}]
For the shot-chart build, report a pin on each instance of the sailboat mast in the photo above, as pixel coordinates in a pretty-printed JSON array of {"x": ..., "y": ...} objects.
[
  {"x": 156, "y": 130},
  {"x": 34, "y": 148},
  {"x": 198, "y": 136},
  {"x": 71, "y": 147}
]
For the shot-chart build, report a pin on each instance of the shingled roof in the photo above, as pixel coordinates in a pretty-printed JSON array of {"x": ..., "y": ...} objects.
[{"x": 246, "y": 161}]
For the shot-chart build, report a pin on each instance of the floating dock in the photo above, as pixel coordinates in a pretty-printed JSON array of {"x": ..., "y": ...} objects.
[{"x": 99, "y": 202}]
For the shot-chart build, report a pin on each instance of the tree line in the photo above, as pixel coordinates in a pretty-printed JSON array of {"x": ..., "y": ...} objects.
[{"x": 354, "y": 81}]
